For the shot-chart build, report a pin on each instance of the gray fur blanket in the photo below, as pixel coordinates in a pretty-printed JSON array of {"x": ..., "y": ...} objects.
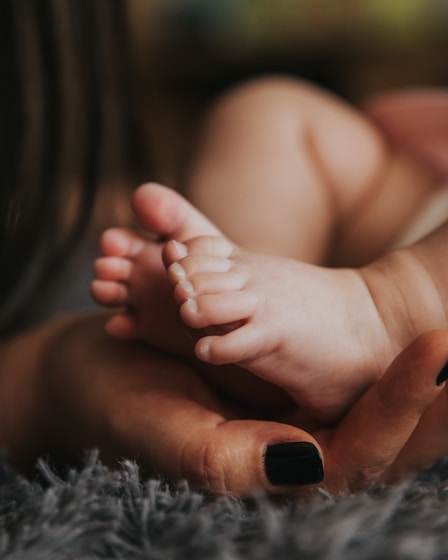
[{"x": 94, "y": 513}]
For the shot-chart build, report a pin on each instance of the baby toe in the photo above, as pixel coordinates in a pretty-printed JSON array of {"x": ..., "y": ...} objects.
[
  {"x": 121, "y": 242},
  {"x": 122, "y": 326},
  {"x": 173, "y": 251},
  {"x": 242, "y": 344},
  {"x": 212, "y": 245},
  {"x": 217, "y": 282},
  {"x": 109, "y": 294},
  {"x": 196, "y": 264},
  {"x": 207, "y": 283},
  {"x": 183, "y": 290},
  {"x": 112, "y": 268},
  {"x": 218, "y": 309}
]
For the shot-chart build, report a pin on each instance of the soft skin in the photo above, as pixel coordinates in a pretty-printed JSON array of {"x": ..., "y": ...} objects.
[{"x": 76, "y": 388}]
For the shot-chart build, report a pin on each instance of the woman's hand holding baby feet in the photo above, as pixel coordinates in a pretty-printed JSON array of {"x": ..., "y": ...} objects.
[{"x": 288, "y": 322}]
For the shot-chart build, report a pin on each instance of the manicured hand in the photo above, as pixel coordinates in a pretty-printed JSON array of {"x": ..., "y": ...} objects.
[{"x": 130, "y": 401}]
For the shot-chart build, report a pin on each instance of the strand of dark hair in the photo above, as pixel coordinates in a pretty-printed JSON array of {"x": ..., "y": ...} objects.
[{"x": 58, "y": 127}]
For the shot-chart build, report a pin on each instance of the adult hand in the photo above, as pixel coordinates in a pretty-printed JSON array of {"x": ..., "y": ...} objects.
[
  {"x": 130, "y": 401},
  {"x": 399, "y": 425}
]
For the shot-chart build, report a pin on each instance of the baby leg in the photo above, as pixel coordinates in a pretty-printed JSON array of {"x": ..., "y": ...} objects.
[{"x": 287, "y": 169}]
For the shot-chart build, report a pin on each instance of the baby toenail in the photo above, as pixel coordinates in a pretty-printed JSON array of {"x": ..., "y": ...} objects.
[
  {"x": 177, "y": 271},
  {"x": 187, "y": 287},
  {"x": 181, "y": 249},
  {"x": 203, "y": 350},
  {"x": 192, "y": 305}
]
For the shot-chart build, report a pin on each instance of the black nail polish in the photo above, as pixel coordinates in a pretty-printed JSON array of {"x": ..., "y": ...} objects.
[
  {"x": 293, "y": 463},
  {"x": 443, "y": 375}
]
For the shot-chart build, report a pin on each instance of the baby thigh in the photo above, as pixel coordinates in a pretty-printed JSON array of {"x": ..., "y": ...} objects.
[{"x": 286, "y": 168}]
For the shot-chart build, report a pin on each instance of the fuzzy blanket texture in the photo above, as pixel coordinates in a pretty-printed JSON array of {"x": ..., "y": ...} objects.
[{"x": 93, "y": 512}]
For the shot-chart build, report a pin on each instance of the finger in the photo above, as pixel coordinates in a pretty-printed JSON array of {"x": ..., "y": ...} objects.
[
  {"x": 371, "y": 436},
  {"x": 167, "y": 418},
  {"x": 429, "y": 441}
]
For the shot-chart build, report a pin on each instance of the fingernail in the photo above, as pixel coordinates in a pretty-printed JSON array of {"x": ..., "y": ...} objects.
[
  {"x": 443, "y": 375},
  {"x": 293, "y": 463}
]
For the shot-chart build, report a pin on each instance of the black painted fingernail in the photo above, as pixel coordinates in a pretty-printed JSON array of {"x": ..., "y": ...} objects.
[
  {"x": 293, "y": 463},
  {"x": 443, "y": 375}
]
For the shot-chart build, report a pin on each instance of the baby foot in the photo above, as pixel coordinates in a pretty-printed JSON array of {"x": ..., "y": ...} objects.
[
  {"x": 314, "y": 332},
  {"x": 130, "y": 274},
  {"x": 130, "y": 278}
]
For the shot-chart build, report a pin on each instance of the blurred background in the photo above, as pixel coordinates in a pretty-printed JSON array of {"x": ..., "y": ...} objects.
[{"x": 188, "y": 51}]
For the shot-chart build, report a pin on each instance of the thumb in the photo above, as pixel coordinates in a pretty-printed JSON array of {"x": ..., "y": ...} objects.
[
  {"x": 245, "y": 456},
  {"x": 191, "y": 438}
]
